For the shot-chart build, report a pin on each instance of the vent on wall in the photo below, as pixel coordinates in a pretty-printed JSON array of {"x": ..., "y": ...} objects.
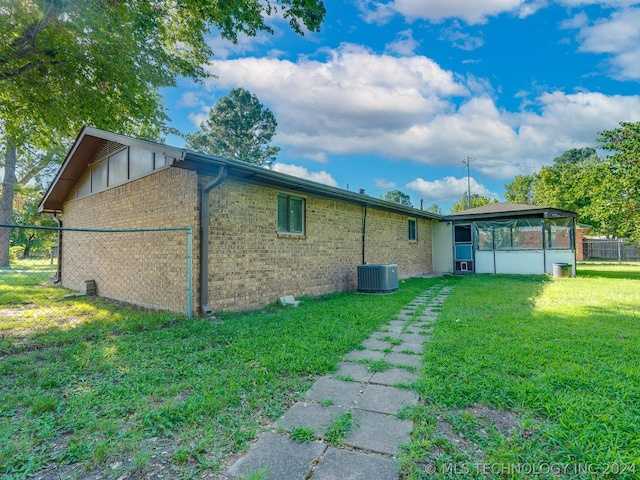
[{"x": 377, "y": 278}]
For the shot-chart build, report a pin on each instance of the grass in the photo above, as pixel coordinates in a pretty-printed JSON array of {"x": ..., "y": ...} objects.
[
  {"x": 556, "y": 359},
  {"x": 93, "y": 386},
  {"x": 302, "y": 435},
  {"x": 339, "y": 429}
]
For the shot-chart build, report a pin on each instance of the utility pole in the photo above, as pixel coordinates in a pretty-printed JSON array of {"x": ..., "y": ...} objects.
[{"x": 467, "y": 162}]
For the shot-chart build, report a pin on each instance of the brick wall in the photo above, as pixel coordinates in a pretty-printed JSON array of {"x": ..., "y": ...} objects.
[
  {"x": 148, "y": 268},
  {"x": 388, "y": 242},
  {"x": 251, "y": 264}
]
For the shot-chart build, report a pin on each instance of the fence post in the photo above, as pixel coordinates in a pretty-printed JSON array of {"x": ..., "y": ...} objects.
[
  {"x": 620, "y": 252},
  {"x": 190, "y": 271}
]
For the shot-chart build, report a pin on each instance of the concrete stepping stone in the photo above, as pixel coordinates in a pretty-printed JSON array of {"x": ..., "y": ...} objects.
[
  {"x": 378, "y": 432},
  {"x": 412, "y": 338},
  {"x": 279, "y": 456},
  {"x": 364, "y": 355},
  {"x": 375, "y": 343},
  {"x": 394, "y": 376},
  {"x": 395, "y": 328},
  {"x": 403, "y": 359},
  {"x": 342, "y": 393},
  {"x": 397, "y": 323},
  {"x": 356, "y": 371},
  {"x": 343, "y": 464},
  {"x": 384, "y": 399},
  {"x": 412, "y": 348},
  {"x": 404, "y": 316}
]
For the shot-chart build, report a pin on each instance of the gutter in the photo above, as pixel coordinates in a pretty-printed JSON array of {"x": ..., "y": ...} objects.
[
  {"x": 204, "y": 238},
  {"x": 59, "y": 269}
]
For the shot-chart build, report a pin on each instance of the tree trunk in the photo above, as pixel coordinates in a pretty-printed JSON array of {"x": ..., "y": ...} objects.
[{"x": 6, "y": 203}]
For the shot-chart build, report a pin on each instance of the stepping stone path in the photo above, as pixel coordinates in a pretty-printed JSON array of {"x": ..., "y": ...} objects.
[{"x": 372, "y": 397}]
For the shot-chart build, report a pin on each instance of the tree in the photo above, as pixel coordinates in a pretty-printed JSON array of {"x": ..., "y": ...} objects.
[
  {"x": 434, "y": 208},
  {"x": 396, "y": 196},
  {"x": 239, "y": 127},
  {"x": 65, "y": 63},
  {"x": 520, "y": 190},
  {"x": 476, "y": 201},
  {"x": 25, "y": 212},
  {"x": 576, "y": 155},
  {"x": 617, "y": 199}
]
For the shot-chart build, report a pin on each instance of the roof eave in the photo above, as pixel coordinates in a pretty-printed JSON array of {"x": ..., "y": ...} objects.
[{"x": 261, "y": 175}]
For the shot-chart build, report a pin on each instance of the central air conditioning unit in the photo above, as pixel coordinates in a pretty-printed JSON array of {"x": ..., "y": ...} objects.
[{"x": 377, "y": 278}]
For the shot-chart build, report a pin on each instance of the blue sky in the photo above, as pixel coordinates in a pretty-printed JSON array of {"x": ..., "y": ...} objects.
[{"x": 396, "y": 94}]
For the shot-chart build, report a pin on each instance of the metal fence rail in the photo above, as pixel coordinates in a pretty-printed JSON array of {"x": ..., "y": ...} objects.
[
  {"x": 606, "y": 249},
  {"x": 150, "y": 267}
]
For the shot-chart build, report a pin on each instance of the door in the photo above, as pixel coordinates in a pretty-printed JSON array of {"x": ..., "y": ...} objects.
[{"x": 463, "y": 249}]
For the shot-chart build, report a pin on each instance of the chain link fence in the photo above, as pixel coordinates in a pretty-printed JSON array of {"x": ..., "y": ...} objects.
[
  {"x": 150, "y": 267},
  {"x": 606, "y": 249}
]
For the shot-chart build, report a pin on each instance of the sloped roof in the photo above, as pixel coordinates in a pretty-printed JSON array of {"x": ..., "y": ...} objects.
[
  {"x": 504, "y": 210},
  {"x": 90, "y": 141}
]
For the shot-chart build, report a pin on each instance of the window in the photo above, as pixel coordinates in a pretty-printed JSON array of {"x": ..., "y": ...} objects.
[
  {"x": 125, "y": 164},
  {"x": 558, "y": 233},
  {"x": 290, "y": 214},
  {"x": 413, "y": 231}
]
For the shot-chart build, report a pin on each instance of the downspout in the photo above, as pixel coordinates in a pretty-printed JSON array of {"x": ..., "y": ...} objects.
[
  {"x": 59, "y": 269},
  {"x": 364, "y": 232},
  {"x": 204, "y": 238}
]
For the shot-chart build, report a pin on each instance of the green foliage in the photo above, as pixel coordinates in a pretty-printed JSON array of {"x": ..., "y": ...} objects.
[
  {"x": 239, "y": 127},
  {"x": 396, "y": 196},
  {"x": 617, "y": 204},
  {"x": 520, "y": 190},
  {"x": 476, "y": 201},
  {"x": 339, "y": 429},
  {"x": 572, "y": 183},
  {"x": 302, "y": 435},
  {"x": 434, "y": 208}
]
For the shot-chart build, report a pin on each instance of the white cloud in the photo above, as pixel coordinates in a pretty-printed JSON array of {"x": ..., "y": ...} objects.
[
  {"x": 448, "y": 189},
  {"x": 405, "y": 45},
  {"x": 383, "y": 184},
  {"x": 355, "y": 102},
  {"x": 618, "y": 36},
  {"x": 302, "y": 172},
  {"x": 471, "y": 11},
  {"x": 223, "y": 48},
  {"x": 375, "y": 12},
  {"x": 460, "y": 39}
]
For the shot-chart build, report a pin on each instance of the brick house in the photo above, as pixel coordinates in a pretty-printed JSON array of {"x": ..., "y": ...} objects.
[{"x": 257, "y": 234}]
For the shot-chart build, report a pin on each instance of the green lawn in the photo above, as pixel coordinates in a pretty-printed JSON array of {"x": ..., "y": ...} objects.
[
  {"x": 530, "y": 371},
  {"x": 523, "y": 372},
  {"x": 92, "y": 386}
]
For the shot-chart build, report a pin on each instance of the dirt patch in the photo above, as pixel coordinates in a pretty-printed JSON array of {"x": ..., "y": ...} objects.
[
  {"x": 466, "y": 430},
  {"x": 504, "y": 421}
]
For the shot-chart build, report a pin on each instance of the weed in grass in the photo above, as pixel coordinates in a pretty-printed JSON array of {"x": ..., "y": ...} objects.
[
  {"x": 344, "y": 378},
  {"x": 392, "y": 340},
  {"x": 378, "y": 366},
  {"x": 257, "y": 474},
  {"x": 302, "y": 435},
  {"x": 339, "y": 429},
  {"x": 387, "y": 350},
  {"x": 327, "y": 402},
  {"x": 181, "y": 455},
  {"x": 44, "y": 403}
]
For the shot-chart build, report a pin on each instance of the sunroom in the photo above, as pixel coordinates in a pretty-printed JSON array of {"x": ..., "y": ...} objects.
[{"x": 513, "y": 239}]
